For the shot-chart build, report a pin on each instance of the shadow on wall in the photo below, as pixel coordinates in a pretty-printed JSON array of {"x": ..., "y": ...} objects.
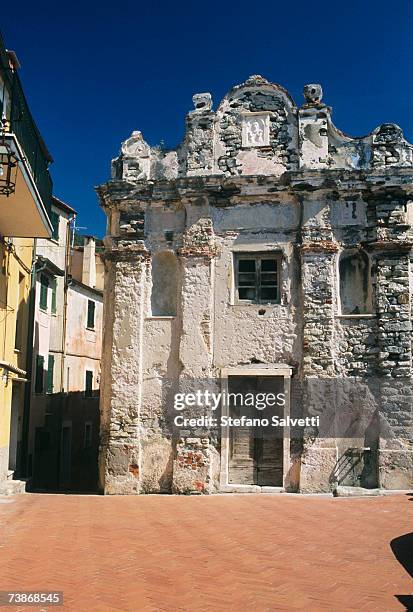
[
  {"x": 402, "y": 548},
  {"x": 66, "y": 448},
  {"x": 356, "y": 467}
]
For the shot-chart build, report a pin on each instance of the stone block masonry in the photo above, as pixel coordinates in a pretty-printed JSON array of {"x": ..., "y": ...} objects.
[{"x": 268, "y": 251}]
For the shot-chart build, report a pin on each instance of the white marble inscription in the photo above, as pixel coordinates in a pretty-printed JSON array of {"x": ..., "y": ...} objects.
[{"x": 255, "y": 131}]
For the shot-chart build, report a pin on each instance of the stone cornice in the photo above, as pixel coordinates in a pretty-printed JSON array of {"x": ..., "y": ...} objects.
[
  {"x": 130, "y": 252},
  {"x": 222, "y": 189}
]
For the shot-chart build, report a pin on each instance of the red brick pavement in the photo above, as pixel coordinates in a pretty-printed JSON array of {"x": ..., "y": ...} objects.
[{"x": 241, "y": 552}]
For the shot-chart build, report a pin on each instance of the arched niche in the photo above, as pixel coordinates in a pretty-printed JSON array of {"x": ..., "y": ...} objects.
[
  {"x": 355, "y": 283},
  {"x": 164, "y": 284}
]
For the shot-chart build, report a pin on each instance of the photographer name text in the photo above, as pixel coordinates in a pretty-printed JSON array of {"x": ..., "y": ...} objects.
[{"x": 244, "y": 421}]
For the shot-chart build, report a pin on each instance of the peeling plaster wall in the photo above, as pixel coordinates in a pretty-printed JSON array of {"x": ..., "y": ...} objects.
[
  {"x": 257, "y": 175},
  {"x": 246, "y": 332}
]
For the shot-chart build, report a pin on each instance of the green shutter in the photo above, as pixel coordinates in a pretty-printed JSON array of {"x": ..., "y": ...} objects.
[
  {"x": 54, "y": 288},
  {"x": 54, "y": 219},
  {"x": 50, "y": 371},
  {"x": 89, "y": 383},
  {"x": 38, "y": 385},
  {"x": 91, "y": 314},
  {"x": 44, "y": 285}
]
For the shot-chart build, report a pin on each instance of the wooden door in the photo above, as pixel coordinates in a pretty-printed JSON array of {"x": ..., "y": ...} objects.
[{"x": 256, "y": 454}]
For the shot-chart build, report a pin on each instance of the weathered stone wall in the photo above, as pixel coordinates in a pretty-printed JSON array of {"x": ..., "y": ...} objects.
[
  {"x": 356, "y": 346},
  {"x": 259, "y": 176}
]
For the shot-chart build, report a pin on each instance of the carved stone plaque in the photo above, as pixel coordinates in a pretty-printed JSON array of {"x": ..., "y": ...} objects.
[{"x": 256, "y": 130}]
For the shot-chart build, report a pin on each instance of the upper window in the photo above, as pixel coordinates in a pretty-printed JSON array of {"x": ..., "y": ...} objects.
[
  {"x": 257, "y": 278},
  {"x": 355, "y": 283},
  {"x": 90, "y": 314}
]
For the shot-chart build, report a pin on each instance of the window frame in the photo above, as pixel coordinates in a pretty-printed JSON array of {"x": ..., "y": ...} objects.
[{"x": 257, "y": 257}]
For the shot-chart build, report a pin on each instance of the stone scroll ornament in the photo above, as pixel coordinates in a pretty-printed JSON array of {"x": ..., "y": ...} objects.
[
  {"x": 313, "y": 93},
  {"x": 136, "y": 158}
]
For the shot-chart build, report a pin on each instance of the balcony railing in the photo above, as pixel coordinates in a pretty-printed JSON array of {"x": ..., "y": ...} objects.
[{"x": 21, "y": 123}]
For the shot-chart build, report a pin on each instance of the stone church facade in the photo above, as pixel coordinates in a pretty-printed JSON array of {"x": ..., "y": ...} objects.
[{"x": 269, "y": 251}]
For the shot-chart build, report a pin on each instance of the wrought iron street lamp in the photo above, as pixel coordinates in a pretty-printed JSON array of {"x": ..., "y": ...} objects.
[{"x": 8, "y": 168}]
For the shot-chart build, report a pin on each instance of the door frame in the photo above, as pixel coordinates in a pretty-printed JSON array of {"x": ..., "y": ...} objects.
[{"x": 279, "y": 370}]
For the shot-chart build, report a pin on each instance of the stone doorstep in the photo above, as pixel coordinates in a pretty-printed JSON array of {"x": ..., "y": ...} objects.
[
  {"x": 362, "y": 492},
  {"x": 239, "y": 488}
]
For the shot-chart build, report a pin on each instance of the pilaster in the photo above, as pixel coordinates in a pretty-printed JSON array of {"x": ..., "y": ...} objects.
[
  {"x": 318, "y": 281},
  {"x": 196, "y": 466},
  {"x": 120, "y": 458}
]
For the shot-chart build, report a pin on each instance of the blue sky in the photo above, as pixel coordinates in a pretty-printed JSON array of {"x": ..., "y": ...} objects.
[{"x": 95, "y": 71}]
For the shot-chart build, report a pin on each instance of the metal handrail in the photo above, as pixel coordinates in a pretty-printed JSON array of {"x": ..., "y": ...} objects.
[{"x": 21, "y": 123}]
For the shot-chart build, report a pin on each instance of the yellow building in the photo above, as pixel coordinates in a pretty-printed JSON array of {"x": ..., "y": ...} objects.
[{"x": 25, "y": 198}]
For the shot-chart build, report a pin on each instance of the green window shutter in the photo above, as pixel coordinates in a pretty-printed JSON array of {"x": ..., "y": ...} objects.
[
  {"x": 54, "y": 288},
  {"x": 91, "y": 314},
  {"x": 50, "y": 371},
  {"x": 44, "y": 285},
  {"x": 54, "y": 219},
  {"x": 38, "y": 384},
  {"x": 89, "y": 383}
]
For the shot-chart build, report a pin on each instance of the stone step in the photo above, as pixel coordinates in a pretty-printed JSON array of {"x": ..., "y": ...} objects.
[
  {"x": 343, "y": 491},
  {"x": 12, "y": 487}
]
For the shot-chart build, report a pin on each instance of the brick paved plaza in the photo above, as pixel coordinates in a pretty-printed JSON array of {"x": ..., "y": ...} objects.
[{"x": 241, "y": 552}]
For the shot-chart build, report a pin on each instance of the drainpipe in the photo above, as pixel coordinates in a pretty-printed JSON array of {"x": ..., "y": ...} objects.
[
  {"x": 64, "y": 400},
  {"x": 66, "y": 286},
  {"x": 23, "y": 467}
]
